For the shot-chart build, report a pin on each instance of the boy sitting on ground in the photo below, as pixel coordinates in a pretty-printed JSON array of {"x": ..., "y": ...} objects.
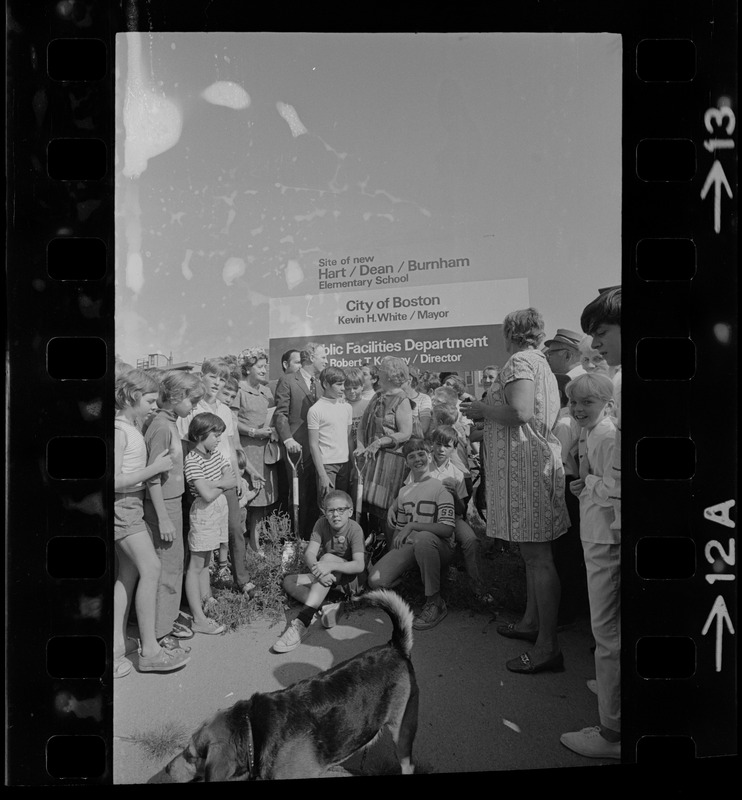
[
  {"x": 444, "y": 441},
  {"x": 420, "y": 524},
  {"x": 335, "y": 556}
]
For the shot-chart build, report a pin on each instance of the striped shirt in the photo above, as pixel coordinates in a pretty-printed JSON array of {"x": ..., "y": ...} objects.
[
  {"x": 198, "y": 467},
  {"x": 426, "y": 501}
]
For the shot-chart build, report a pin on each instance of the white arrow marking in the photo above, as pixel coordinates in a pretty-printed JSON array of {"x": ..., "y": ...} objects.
[
  {"x": 716, "y": 177},
  {"x": 719, "y": 611}
]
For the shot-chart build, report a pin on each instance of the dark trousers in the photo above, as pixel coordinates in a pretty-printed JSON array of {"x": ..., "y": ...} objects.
[
  {"x": 569, "y": 561},
  {"x": 308, "y": 508},
  {"x": 283, "y": 483}
]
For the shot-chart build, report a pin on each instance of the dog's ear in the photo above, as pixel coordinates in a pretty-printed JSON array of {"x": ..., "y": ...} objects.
[{"x": 221, "y": 762}]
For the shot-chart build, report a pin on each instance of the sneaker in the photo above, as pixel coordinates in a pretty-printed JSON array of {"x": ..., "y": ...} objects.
[
  {"x": 331, "y": 613},
  {"x": 121, "y": 667},
  {"x": 164, "y": 661},
  {"x": 592, "y": 685},
  {"x": 588, "y": 742},
  {"x": 292, "y": 637},
  {"x": 430, "y": 616},
  {"x": 182, "y": 631}
]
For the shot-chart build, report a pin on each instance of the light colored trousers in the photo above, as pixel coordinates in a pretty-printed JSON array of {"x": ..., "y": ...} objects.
[
  {"x": 603, "y": 566},
  {"x": 172, "y": 559}
]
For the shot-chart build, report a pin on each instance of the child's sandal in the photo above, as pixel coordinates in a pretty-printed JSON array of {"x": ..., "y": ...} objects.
[
  {"x": 212, "y": 628},
  {"x": 209, "y": 605}
]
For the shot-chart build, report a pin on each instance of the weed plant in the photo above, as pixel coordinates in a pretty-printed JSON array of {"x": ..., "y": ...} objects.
[
  {"x": 161, "y": 741},
  {"x": 266, "y": 569},
  {"x": 502, "y": 571}
]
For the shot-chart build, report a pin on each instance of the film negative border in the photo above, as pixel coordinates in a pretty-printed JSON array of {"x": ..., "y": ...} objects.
[
  {"x": 60, "y": 299},
  {"x": 679, "y": 653},
  {"x": 679, "y": 278}
]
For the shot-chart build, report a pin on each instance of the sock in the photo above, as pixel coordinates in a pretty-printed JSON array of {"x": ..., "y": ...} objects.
[{"x": 306, "y": 615}]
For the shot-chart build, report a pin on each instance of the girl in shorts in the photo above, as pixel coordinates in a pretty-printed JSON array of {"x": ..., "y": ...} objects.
[
  {"x": 136, "y": 397},
  {"x": 208, "y": 476}
]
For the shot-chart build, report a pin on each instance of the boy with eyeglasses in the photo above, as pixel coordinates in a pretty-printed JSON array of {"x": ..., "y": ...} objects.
[{"x": 335, "y": 556}]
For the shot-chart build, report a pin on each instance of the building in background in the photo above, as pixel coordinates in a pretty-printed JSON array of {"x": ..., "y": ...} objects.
[{"x": 162, "y": 361}]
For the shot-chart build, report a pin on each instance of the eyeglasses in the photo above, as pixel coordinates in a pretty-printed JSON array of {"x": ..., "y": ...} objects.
[{"x": 330, "y": 511}]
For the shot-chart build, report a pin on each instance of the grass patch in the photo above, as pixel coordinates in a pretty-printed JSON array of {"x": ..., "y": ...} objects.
[
  {"x": 266, "y": 571},
  {"x": 502, "y": 571}
]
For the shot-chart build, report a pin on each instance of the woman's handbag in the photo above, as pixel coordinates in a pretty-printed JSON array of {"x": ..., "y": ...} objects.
[
  {"x": 383, "y": 477},
  {"x": 271, "y": 453},
  {"x": 383, "y": 474}
]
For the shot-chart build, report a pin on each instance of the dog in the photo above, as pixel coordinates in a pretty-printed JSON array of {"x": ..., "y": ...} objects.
[{"x": 303, "y": 730}]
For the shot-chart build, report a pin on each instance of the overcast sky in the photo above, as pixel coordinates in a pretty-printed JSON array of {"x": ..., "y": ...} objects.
[{"x": 244, "y": 159}]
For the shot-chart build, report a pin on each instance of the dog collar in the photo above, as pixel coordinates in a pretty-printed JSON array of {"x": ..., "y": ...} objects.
[{"x": 250, "y": 749}]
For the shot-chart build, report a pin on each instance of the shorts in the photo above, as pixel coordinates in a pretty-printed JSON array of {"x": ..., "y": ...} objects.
[
  {"x": 209, "y": 524},
  {"x": 128, "y": 514}
]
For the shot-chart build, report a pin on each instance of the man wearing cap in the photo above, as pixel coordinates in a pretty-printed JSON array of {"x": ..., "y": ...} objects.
[{"x": 562, "y": 353}]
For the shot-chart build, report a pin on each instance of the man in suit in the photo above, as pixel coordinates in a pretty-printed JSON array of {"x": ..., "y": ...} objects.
[
  {"x": 290, "y": 362},
  {"x": 296, "y": 393}
]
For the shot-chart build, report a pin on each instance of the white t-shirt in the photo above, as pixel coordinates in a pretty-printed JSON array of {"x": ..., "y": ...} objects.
[{"x": 332, "y": 421}]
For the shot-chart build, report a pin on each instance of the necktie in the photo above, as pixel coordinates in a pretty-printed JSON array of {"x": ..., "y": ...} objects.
[{"x": 312, "y": 389}]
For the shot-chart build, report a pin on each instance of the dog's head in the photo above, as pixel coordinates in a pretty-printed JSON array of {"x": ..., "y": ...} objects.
[{"x": 216, "y": 752}]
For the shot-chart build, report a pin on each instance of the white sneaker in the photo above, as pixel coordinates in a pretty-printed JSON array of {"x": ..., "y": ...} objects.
[
  {"x": 291, "y": 638},
  {"x": 331, "y": 613},
  {"x": 592, "y": 685},
  {"x": 588, "y": 742}
]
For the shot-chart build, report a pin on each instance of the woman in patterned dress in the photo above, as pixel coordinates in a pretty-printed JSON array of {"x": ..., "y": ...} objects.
[
  {"x": 525, "y": 481},
  {"x": 255, "y": 398}
]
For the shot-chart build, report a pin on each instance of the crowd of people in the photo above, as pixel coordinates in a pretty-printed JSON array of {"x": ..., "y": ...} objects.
[{"x": 379, "y": 453}]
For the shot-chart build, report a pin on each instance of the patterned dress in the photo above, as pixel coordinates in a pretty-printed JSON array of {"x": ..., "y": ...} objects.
[{"x": 525, "y": 474}]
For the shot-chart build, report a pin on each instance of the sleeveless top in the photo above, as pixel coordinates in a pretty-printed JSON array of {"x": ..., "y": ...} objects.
[{"x": 135, "y": 452}]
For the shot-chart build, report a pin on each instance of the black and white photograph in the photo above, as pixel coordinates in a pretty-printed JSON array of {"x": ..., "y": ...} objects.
[
  {"x": 370, "y": 256},
  {"x": 318, "y": 462}
]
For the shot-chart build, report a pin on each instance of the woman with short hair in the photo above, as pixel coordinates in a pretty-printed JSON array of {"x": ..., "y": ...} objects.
[
  {"x": 525, "y": 493},
  {"x": 255, "y": 398},
  {"x": 386, "y": 425}
]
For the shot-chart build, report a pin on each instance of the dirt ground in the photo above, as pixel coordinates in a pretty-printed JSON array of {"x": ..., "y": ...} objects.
[{"x": 475, "y": 716}]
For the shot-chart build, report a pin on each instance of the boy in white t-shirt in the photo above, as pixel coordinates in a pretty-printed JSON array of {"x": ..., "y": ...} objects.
[{"x": 329, "y": 423}]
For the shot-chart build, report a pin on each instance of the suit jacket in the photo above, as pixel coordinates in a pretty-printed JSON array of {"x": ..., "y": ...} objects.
[{"x": 293, "y": 401}]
